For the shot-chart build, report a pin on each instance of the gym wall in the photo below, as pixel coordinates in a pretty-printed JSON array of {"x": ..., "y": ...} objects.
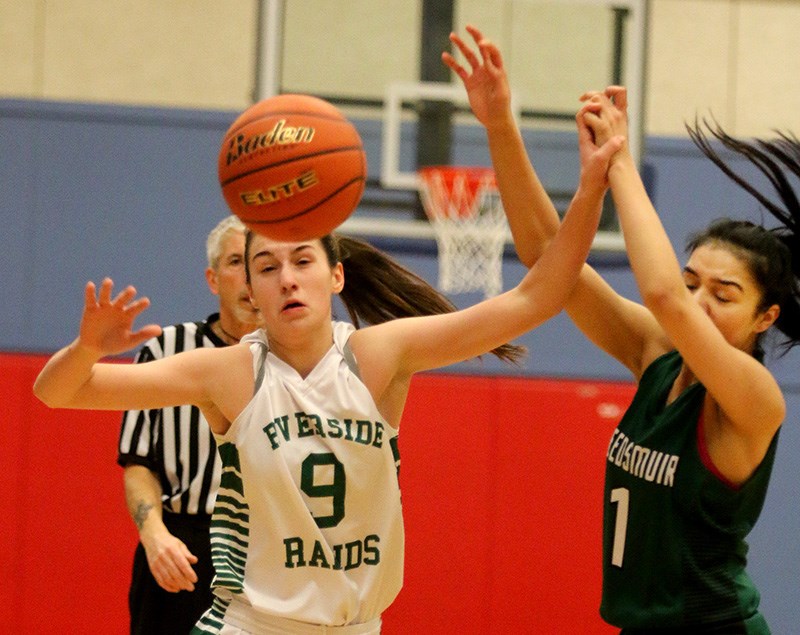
[
  {"x": 735, "y": 58},
  {"x": 113, "y": 115},
  {"x": 501, "y": 482}
]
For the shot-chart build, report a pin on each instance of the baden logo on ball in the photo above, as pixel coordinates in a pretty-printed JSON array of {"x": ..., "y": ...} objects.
[{"x": 292, "y": 167}]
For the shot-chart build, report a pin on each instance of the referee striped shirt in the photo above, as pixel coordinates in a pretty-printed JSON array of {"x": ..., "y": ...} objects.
[{"x": 175, "y": 443}]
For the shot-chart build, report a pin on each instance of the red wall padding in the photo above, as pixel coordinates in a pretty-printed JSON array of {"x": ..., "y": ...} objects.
[
  {"x": 68, "y": 538},
  {"x": 501, "y": 479}
]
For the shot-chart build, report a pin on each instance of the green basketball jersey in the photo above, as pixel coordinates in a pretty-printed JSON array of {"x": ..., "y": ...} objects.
[{"x": 674, "y": 549}]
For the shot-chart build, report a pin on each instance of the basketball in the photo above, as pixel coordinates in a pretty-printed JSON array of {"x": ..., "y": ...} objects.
[{"x": 292, "y": 167}]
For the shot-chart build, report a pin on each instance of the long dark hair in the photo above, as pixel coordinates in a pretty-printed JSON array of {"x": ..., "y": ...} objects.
[
  {"x": 378, "y": 289},
  {"x": 773, "y": 255}
]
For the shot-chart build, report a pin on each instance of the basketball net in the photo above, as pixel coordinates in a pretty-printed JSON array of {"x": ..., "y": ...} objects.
[{"x": 464, "y": 208}]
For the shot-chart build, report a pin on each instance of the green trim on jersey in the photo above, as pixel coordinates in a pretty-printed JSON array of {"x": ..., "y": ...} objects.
[
  {"x": 212, "y": 621},
  {"x": 230, "y": 524},
  {"x": 674, "y": 549}
]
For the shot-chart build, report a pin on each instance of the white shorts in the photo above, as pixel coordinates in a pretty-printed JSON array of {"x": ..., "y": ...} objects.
[{"x": 243, "y": 622}]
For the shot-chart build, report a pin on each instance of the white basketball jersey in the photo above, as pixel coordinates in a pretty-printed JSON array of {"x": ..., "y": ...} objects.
[{"x": 308, "y": 523}]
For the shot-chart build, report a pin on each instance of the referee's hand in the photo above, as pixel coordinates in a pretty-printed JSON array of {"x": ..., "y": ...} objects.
[{"x": 170, "y": 562}]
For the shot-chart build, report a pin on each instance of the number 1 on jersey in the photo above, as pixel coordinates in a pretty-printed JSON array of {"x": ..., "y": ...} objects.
[{"x": 620, "y": 496}]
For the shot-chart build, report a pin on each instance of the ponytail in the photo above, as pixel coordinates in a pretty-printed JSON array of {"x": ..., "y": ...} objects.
[
  {"x": 378, "y": 289},
  {"x": 775, "y": 260}
]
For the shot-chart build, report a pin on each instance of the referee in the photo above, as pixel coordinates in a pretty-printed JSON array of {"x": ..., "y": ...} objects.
[{"x": 171, "y": 467}]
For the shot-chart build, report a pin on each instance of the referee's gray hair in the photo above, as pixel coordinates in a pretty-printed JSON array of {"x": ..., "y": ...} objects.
[{"x": 217, "y": 235}]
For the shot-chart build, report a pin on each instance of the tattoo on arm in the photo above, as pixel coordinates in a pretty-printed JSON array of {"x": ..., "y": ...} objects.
[{"x": 142, "y": 510}]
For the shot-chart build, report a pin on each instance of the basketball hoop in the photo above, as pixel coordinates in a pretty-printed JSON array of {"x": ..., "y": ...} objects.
[{"x": 463, "y": 205}]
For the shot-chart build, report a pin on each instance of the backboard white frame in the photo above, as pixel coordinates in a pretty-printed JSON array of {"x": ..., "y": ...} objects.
[
  {"x": 396, "y": 92},
  {"x": 392, "y": 176}
]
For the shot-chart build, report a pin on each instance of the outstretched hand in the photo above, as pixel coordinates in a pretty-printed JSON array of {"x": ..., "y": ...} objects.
[
  {"x": 606, "y": 112},
  {"x": 597, "y": 147},
  {"x": 602, "y": 132},
  {"x": 107, "y": 323},
  {"x": 486, "y": 82}
]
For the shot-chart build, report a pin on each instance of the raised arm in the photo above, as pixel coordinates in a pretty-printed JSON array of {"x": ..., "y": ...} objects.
[
  {"x": 747, "y": 394},
  {"x": 394, "y": 350},
  {"x": 106, "y": 329},
  {"x": 622, "y": 328},
  {"x": 75, "y": 378},
  {"x": 519, "y": 185}
]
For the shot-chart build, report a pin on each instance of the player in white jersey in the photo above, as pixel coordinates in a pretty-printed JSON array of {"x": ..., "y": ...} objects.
[
  {"x": 308, "y": 533},
  {"x": 322, "y": 438}
]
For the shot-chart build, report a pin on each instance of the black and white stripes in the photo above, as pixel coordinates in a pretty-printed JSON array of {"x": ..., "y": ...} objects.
[{"x": 175, "y": 443}]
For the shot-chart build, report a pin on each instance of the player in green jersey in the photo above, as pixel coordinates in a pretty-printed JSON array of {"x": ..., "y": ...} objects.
[{"x": 688, "y": 466}]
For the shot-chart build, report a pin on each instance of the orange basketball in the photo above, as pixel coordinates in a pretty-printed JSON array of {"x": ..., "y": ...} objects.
[{"x": 292, "y": 167}]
